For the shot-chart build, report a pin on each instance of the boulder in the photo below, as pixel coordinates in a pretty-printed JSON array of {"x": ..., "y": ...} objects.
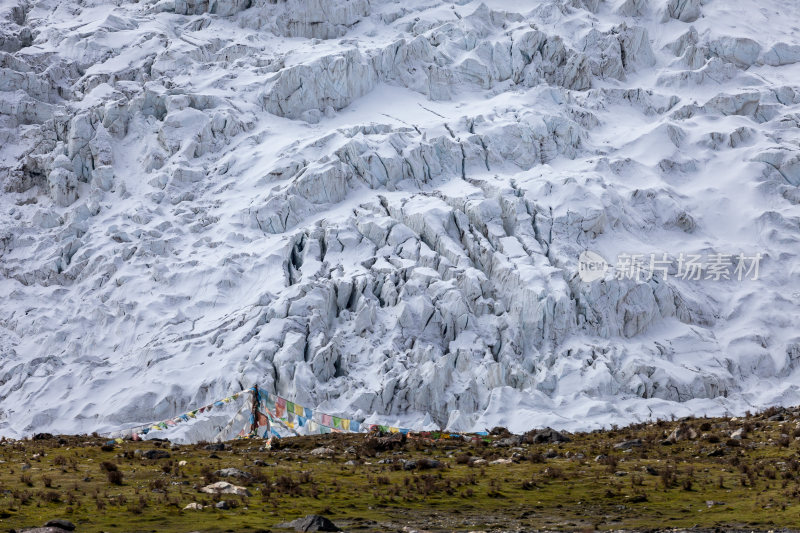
[
  {"x": 682, "y": 432},
  {"x": 61, "y": 523},
  {"x": 232, "y": 472},
  {"x": 155, "y": 454},
  {"x": 628, "y": 444},
  {"x": 311, "y": 522},
  {"x": 223, "y": 487},
  {"x": 546, "y": 435},
  {"x": 322, "y": 451}
]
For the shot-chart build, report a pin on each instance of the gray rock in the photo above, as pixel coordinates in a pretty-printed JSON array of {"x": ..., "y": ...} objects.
[
  {"x": 546, "y": 435},
  {"x": 61, "y": 523},
  {"x": 233, "y": 472},
  {"x": 628, "y": 444},
  {"x": 507, "y": 442},
  {"x": 155, "y": 454},
  {"x": 223, "y": 487},
  {"x": 682, "y": 432},
  {"x": 322, "y": 451},
  {"x": 311, "y": 522}
]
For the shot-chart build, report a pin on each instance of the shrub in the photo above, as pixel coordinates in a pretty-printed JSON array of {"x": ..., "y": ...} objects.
[
  {"x": 50, "y": 496},
  {"x": 463, "y": 459},
  {"x": 108, "y": 466},
  {"x": 114, "y": 477}
]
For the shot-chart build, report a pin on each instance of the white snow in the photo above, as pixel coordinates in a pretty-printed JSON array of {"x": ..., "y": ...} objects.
[{"x": 376, "y": 209}]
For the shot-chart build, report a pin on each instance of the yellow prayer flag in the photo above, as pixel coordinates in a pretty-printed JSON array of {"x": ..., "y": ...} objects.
[
  {"x": 346, "y": 424},
  {"x": 394, "y": 430}
]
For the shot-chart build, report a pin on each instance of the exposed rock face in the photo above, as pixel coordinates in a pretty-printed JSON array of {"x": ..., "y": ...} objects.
[{"x": 379, "y": 209}]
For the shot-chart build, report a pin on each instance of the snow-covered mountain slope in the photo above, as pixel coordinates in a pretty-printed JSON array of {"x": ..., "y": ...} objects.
[{"x": 377, "y": 208}]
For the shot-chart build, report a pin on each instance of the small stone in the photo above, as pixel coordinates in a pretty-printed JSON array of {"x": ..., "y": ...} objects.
[
  {"x": 501, "y": 461},
  {"x": 224, "y": 504},
  {"x": 194, "y": 506},
  {"x": 26, "y": 466},
  {"x": 738, "y": 434},
  {"x": 182, "y": 463},
  {"x": 215, "y": 447}
]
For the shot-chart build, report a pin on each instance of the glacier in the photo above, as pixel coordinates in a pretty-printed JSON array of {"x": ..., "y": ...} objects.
[{"x": 377, "y": 208}]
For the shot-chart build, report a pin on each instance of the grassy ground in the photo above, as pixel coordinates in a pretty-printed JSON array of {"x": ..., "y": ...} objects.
[{"x": 709, "y": 481}]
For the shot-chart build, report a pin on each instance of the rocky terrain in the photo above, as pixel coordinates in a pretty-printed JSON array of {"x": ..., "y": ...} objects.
[
  {"x": 693, "y": 475},
  {"x": 377, "y": 208}
]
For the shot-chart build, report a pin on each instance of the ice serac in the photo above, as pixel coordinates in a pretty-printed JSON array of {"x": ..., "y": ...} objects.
[{"x": 378, "y": 209}]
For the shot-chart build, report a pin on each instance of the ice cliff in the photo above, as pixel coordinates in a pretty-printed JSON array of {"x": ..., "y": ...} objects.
[{"x": 378, "y": 207}]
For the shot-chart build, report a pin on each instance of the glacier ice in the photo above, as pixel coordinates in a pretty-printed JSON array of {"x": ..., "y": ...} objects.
[{"x": 377, "y": 208}]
